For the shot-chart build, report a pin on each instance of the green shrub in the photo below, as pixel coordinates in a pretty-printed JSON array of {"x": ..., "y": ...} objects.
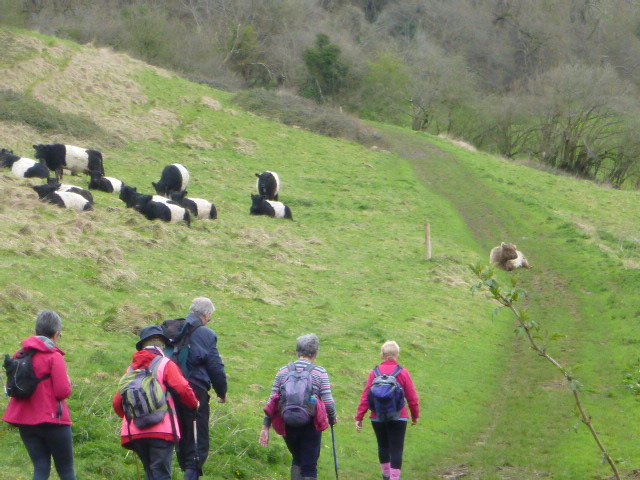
[
  {"x": 294, "y": 110},
  {"x": 17, "y": 107}
]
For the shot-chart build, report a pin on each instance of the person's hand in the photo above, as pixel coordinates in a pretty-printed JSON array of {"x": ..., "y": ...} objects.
[
  {"x": 359, "y": 426},
  {"x": 414, "y": 421},
  {"x": 222, "y": 399},
  {"x": 264, "y": 436},
  {"x": 335, "y": 421}
]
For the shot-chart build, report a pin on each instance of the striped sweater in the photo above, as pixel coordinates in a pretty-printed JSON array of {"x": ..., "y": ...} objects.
[{"x": 320, "y": 382}]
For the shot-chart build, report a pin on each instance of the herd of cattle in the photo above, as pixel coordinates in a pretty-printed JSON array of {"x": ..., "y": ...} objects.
[{"x": 169, "y": 204}]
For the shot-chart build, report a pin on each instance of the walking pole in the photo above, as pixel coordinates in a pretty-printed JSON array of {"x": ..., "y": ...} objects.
[
  {"x": 335, "y": 453},
  {"x": 195, "y": 439}
]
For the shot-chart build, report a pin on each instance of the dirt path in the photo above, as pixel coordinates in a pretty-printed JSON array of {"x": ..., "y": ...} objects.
[{"x": 484, "y": 213}]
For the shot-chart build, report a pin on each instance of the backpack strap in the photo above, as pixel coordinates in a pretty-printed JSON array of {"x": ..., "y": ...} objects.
[
  {"x": 396, "y": 371},
  {"x": 376, "y": 371}
]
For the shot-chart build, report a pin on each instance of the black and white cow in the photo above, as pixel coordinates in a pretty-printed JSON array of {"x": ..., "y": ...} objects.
[
  {"x": 174, "y": 178},
  {"x": 105, "y": 184},
  {"x": 54, "y": 186},
  {"x": 262, "y": 206},
  {"x": 198, "y": 207},
  {"x": 167, "y": 211},
  {"x": 63, "y": 199},
  {"x": 21, "y": 166},
  {"x": 130, "y": 196},
  {"x": 268, "y": 185},
  {"x": 58, "y": 156}
]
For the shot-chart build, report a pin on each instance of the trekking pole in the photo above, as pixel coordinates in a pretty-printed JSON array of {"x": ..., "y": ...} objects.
[
  {"x": 195, "y": 446},
  {"x": 335, "y": 453},
  {"x": 135, "y": 455}
]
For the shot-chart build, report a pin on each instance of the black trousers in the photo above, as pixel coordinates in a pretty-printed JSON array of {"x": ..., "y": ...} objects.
[
  {"x": 156, "y": 456},
  {"x": 45, "y": 441},
  {"x": 304, "y": 444},
  {"x": 191, "y": 455},
  {"x": 390, "y": 436}
]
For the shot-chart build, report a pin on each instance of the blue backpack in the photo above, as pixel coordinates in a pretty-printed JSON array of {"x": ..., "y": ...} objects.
[{"x": 386, "y": 396}]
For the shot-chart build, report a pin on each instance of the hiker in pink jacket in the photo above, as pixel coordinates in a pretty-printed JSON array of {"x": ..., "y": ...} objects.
[
  {"x": 390, "y": 433},
  {"x": 43, "y": 419}
]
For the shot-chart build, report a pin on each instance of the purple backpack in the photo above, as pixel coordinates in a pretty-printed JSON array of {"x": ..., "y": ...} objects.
[{"x": 297, "y": 401}]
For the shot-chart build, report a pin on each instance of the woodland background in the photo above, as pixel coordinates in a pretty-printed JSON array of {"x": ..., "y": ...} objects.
[{"x": 551, "y": 81}]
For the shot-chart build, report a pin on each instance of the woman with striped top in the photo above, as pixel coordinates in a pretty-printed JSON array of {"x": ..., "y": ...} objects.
[{"x": 304, "y": 441}]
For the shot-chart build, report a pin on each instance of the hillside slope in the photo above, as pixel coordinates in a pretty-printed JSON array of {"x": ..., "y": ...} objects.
[
  {"x": 584, "y": 244},
  {"x": 351, "y": 267}
]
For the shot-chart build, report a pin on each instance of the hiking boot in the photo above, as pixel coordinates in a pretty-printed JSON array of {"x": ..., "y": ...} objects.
[
  {"x": 295, "y": 472},
  {"x": 385, "y": 477}
]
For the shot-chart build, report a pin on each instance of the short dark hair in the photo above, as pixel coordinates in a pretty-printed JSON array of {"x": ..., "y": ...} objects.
[{"x": 48, "y": 323}]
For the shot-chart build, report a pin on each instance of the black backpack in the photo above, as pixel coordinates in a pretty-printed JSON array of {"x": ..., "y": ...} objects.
[
  {"x": 21, "y": 378},
  {"x": 179, "y": 332}
]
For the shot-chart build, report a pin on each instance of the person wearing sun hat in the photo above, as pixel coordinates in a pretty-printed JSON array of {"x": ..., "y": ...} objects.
[{"x": 154, "y": 444}]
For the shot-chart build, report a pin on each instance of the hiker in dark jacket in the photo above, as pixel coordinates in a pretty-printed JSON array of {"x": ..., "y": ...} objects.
[
  {"x": 304, "y": 441},
  {"x": 43, "y": 418},
  {"x": 154, "y": 444},
  {"x": 390, "y": 434},
  {"x": 204, "y": 371}
]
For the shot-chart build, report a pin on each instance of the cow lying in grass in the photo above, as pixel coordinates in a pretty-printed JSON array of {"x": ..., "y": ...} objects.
[
  {"x": 167, "y": 211},
  {"x": 62, "y": 199},
  {"x": 262, "y": 206},
  {"x": 508, "y": 257},
  {"x": 104, "y": 184},
  {"x": 198, "y": 207},
  {"x": 21, "y": 166},
  {"x": 54, "y": 186}
]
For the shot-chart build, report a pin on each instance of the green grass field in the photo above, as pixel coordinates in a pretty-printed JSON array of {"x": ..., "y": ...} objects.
[{"x": 351, "y": 267}]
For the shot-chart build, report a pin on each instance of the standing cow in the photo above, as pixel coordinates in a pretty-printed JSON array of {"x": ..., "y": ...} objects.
[
  {"x": 174, "y": 178},
  {"x": 268, "y": 185},
  {"x": 76, "y": 159}
]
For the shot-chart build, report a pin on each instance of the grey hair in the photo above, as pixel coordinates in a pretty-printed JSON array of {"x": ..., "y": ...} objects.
[
  {"x": 390, "y": 350},
  {"x": 154, "y": 341},
  {"x": 48, "y": 323},
  {"x": 308, "y": 345},
  {"x": 202, "y": 306}
]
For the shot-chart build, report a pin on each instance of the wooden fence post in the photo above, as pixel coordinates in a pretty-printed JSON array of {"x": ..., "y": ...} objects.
[{"x": 427, "y": 232}]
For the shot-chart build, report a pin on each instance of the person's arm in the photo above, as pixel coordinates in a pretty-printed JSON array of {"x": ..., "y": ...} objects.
[
  {"x": 411, "y": 395},
  {"x": 179, "y": 386},
  {"x": 214, "y": 366},
  {"x": 60, "y": 377},
  {"x": 363, "y": 406},
  {"x": 117, "y": 405},
  {"x": 324, "y": 391}
]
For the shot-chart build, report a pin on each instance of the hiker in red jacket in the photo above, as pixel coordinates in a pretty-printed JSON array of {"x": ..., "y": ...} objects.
[
  {"x": 154, "y": 443},
  {"x": 43, "y": 418},
  {"x": 390, "y": 434}
]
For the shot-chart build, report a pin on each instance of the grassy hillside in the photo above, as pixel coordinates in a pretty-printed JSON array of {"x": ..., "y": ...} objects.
[{"x": 351, "y": 267}]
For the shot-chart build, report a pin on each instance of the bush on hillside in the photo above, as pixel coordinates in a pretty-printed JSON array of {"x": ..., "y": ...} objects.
[
  {"x": 296, "y": 111},
  {"x": 20, "y": 108}
]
